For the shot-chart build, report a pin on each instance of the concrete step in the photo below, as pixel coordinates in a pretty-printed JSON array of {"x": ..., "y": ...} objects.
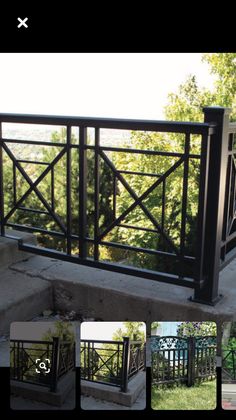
[
  {"x": 104, "y": 295},
  {"x": 21, "y": 298},
  {"x": 39, "y": 393},
  {"x": 9, "y": 251},
  {"x": 114, "y": 394}
]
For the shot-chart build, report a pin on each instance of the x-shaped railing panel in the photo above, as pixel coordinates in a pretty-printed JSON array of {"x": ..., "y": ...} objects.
[
  {"x": 138, "y": 200},
  {"x": 33, "y": 186}
]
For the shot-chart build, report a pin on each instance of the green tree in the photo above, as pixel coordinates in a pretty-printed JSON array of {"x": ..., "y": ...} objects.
[
  {"x": 133, "y": 330},
  {"x": 193, "y": 329},
  {"x": 184, "y": 105},
  {"x": 187, "y": 103},
  {"x": 63, "y": 330}
]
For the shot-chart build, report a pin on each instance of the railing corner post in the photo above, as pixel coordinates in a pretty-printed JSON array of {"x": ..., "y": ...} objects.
[
  {"x": 55, "y": 363},
  {"x": 218, "y": 152},
  {"x": 82, "y": 192},
  {"x": 125, "y": 364},
  {"x": 191, "y": 361}
]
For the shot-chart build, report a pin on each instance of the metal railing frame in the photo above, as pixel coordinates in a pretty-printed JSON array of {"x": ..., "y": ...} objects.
[
  {"x": 123, "y": 350},
  {"x": 214, "y": 191},
  {"x": 194, "y": 355},
  {"x": 55, "y": 347}
]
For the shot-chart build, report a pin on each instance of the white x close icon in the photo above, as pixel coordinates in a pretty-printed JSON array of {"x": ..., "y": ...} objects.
[{"x": 22, "y": 22}]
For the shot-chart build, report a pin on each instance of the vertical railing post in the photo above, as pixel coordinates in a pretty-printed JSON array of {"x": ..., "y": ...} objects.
[
  {"x": 191, "y": 361},
  {"x": 96, "y": 193},
  {"x": 125, "y": 364},
  {"x": 68, "y": 189},
  {"x": 218, "y": 152},
  {"x": 55, "y": 363},
  {"x": 1, "y": 187},
  {"x": 18, "y": 370},
  {"x": 89, "y": 367},
  {"x": 82, "y": 192}
]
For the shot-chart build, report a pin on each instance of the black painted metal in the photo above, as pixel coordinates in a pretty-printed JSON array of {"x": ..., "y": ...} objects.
[
  {"x": 214, "y": 210},
  {"x": 229, "y": 223},
  {"x": 112, "y": 363},
  {"x": 216, "y": 228},
  {"x": 137, "y": 358},
  {"x": 229, "y": 365},
  {"x": 125, "y": 364},
  {"x": 182, "y": 359},
  {"x": 102, "y": 361},
  {"x": 23, "y": 363},
  {"x": 1, "y": 188}
]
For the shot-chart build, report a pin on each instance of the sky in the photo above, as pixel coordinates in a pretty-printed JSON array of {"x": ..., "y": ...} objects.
[
  {"x": 114, "y": 85},
  {"x": 101, "y": 330},
  {"x": 30, "y": 330}
]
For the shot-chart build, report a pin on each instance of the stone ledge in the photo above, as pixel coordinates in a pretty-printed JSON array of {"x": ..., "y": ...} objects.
[
  {"x": 42, "y": 394},
  {"x": 9, "y": 251},
  {"x": 112, "y": 296},
  {"x": 113, "y": 394}
]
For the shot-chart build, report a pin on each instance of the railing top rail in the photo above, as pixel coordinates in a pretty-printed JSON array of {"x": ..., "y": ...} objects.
[
  {"x": 183, "y": 338},
  {"x": 102, "y": 341},
  {"x": 137, "y": 342},
  {"x": 31, "y": 341},
  {"x": 116, "y": 123},
  {"x": 169, "y": 336}
]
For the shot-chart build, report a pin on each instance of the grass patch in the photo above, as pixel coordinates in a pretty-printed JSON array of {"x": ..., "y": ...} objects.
[{"x": 198, "y": 397}]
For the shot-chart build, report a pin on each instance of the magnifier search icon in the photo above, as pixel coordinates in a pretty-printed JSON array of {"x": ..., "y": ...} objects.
[{"x": 42, "y": 366}]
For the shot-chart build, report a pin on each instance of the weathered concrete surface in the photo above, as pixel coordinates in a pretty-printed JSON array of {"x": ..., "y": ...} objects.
[
  {"x": 113, "y": 394},
  {"x": 91, "y": 403},
  {"x": 20, "y": 403},
  {"x": 111, "y": 296},
  {"x": 9, "y": 251},
  {"x": 21, "y": 297},
  {"x": 39, "y": 393}
]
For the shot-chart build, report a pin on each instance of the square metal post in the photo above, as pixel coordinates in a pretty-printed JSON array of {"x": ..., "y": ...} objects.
[
  {"x": 125, "y": 364},
  {"x": 55, "y": 363},
  {"x": 191, "y": 361},
  {"x": 82, "y": 192},
  {"x": 208, "y": 292}
]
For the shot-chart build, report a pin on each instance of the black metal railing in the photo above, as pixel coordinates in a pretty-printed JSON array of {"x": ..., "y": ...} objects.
[
  {"x": 182, "y": 360},
  {"x": 137, "y": 358},
  {"x": 229, "y": 222},
  {"x": 41, "y": 362},
  {"x": 111, "y": 362},
  {"x": 81, "y": 214},
  {"x": 229, "y": 365}
]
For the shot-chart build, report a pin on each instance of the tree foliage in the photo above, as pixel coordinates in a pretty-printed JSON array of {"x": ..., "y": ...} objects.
[
  {"x": 193, "y": 329},
  {"x": 133, "y": 330},
  {"x": 184, "y": 105}
]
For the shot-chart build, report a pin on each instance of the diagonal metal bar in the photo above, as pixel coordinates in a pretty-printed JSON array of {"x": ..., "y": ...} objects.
[
  {"x": 44, "y": 173},
  {"x": 231, "y": 217},
  {"x": 138, "y": 200},
  {"x": 33, "y": 186},
  {"x": 184, "y": 195},
  {"x": 33, "y": 363},
  {"x": 104, "y": 362}
]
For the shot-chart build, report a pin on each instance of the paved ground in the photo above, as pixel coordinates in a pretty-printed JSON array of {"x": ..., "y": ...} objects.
[
  {"x": 19, "y": 403},
  {"x": 229, "y": 396},
  {"x": 229, "y": 405},
  {"x": 90, "y": 403}
]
